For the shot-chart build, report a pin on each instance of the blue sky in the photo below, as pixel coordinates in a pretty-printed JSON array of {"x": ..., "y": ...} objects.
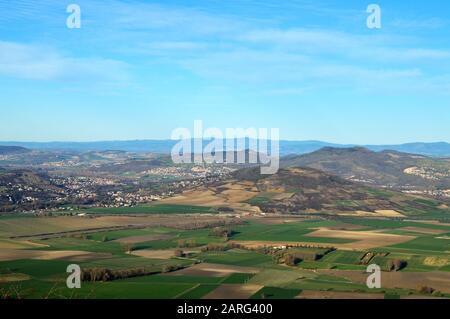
[{"x": 139, "y": 69}]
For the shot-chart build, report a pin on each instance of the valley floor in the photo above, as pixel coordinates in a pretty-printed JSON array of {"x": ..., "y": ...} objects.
[{"x": 180, "y": 256}]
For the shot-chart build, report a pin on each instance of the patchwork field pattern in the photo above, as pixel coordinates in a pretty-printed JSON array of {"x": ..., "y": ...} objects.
[{"x": 186, "y": 260}]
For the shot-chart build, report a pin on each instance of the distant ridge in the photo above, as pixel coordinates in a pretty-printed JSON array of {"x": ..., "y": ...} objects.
[
  {"x": 4, "y": 150},
  {"x": 384, "y": 168},
  {"x": 307, "y": 190},
  {"x": 439, "y": 149},
  {"x": 430, "y": 149}
]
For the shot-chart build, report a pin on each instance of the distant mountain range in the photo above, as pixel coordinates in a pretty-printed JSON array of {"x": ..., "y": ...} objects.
[
  {"x": 440, "y": 149},
  {"x": 6, "y": 150}
]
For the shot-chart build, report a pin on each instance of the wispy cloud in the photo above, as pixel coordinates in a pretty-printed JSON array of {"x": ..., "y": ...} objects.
[
  {"x": 157, "y": 20},
  {"x": 37, "y": 62},
  {"x": 224, "y": 47},
  {"x": 345, "y": 44},
  {"x": 415, "y": 23}
]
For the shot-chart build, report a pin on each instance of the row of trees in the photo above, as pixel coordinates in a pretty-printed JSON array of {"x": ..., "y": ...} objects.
[
  {"x": 179, "y": 253},
  {"x": 293, "y": 258},
  {"x": 105, "y": 274},
  {"x": 190, "y": 243},
  {"x": 396, "y": 264},
  {"x": 222, "y": 232},
  {"x": 222, "y": 247}
]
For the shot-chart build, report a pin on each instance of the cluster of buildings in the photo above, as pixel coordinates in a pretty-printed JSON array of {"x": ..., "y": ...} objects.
[
  {"x": 186, "y": 172},
  {"x": 429, "y": 173},
  {"x": 82, "y": 182},
  {"x": 442, "y": 193}
]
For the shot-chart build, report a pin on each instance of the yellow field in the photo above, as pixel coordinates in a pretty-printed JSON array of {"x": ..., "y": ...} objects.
[
  {"x": 232, "y": 195},
  {"x": 365, "y": 239},
  {"x": 18, "y": 244},
  {"x": 377, "y": 213},
  {"x": 5, "y": 278},
  {"x": 427, "y": 231},
  {"x": 389, "y": 213},
  {"x": 436, "y": 261},
  {"x": 14, "y": 254},
  {"x": 158, "y": 254}
]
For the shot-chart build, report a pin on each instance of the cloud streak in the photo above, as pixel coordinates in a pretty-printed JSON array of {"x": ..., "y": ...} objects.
[
  {"x": 227, "y": 48},
  {"x": 36, "y": 62}
]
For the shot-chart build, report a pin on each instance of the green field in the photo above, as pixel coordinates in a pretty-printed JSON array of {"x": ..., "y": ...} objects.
[
  {"x": 40, "y": 269},
  {"x": 391, "y": 224},
  {"x": 197, "y": 292},
  {"x": 236, "y": 257},
  {"x": 426, "y": 243},
  {"x": 46, "y": 278},
  {"x": 343, "y": 257},
  {"x": 276, "y": 293},
  {"x": 165, "y": 279},
  {"x": 117, "y": 234},
  {"x": 292, "y": 232},
  {"x": 238, "y": 278}
]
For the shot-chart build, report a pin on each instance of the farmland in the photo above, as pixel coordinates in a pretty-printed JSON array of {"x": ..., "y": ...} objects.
[
  {"x": 235, "y": 149},
  {"x": 229, "y": 240},
  {"x": 252, "y": 262}
]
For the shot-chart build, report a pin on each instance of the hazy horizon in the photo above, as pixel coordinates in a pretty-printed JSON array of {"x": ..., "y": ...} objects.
[{"x": 205, "y": 139}]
